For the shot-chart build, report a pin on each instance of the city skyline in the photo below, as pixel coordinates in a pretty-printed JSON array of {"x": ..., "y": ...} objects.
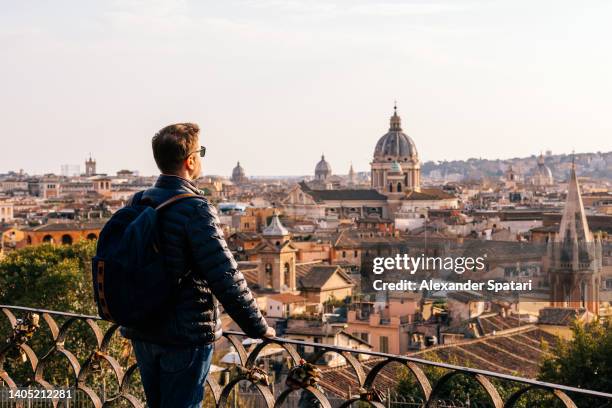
[
  {"x": 275, "y": 84},
  {"x": 70, "y": 169}
]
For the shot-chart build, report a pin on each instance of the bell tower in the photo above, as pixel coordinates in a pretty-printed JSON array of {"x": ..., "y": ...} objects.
[
  {"x": 90, "y": 167},
  {"x": 277, "y": 269},
  {"x": 575, "y": 256}
]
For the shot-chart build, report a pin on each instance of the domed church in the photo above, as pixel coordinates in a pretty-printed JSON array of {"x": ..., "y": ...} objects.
[
  {"x": 395, "y": 192},
  {"x": 542, "y": 175},
  {"x": 322, "y": 170},
  {"x": 239, "y": 175},
  {"x": 396, "y": 152}
]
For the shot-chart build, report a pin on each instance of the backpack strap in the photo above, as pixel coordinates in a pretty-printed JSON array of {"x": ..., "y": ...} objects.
[
  {"x": 135, "y": 199},
  {"x": 176, "y": 198}
]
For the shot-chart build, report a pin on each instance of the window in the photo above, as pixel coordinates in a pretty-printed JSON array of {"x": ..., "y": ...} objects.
[
  {"x": 510, "y": 272},
  {"x": 344, "y": 254},
  {"x": 268, "y": 276},
  {"x": 355, "y": 254},
  {"x": 384, "y": 344},
  {"x": 287, "y": 274}
]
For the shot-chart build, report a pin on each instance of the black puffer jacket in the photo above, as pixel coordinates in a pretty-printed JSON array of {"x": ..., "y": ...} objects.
[{"x": 196, "y": 253}]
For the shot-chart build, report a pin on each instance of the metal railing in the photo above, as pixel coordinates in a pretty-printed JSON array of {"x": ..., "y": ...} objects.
[{"x": 304, "y": 375}]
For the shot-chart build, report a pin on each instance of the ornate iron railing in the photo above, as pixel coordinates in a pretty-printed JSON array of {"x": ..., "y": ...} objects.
[{"x": 26, "y": 323}]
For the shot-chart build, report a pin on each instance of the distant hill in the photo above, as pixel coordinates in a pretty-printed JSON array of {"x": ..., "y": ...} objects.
[{"x": 594, "y": 165}]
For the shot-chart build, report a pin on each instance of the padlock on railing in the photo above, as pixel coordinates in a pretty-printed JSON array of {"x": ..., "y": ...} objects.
[
  {"x": 96, "y": 360},
  {"x": 303, "y": 375},
  {"x": 24, "y": 329},
  {"x": 255, "y": 375}
]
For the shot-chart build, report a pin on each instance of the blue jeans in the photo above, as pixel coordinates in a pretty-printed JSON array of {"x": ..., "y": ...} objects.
[{"x": 173, "y": 376}]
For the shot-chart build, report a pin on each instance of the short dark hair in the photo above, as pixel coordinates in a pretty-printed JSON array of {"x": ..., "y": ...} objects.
[{"x": 172, "y": 145}]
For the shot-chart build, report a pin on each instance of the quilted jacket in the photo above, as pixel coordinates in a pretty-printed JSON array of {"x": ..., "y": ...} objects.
[{"x": 196, "y": 254}]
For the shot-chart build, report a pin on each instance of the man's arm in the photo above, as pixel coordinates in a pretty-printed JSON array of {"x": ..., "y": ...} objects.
[{"x": 214, "y": 262}]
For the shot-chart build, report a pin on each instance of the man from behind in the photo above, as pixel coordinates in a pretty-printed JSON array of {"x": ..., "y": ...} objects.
[{"x": 174, "y": 352}]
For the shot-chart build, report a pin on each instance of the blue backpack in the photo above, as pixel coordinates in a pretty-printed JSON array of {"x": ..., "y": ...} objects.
[{"x": 130, "y": 284}]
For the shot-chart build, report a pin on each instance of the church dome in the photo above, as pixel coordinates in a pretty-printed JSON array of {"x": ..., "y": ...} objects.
[
  {"x": 542, "y": 173},
  {"x": 238, "y": 173},
  {"x": 543, "y": 169},
  {"x": 322, "y": 169},
  {"x": 395, "y": 145}
]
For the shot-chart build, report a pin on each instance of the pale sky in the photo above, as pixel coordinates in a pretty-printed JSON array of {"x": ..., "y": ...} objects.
[{"x": 276, "y": 83}]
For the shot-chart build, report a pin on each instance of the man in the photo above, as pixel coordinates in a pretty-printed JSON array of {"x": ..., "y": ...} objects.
[{"x": 174, "y": 352}]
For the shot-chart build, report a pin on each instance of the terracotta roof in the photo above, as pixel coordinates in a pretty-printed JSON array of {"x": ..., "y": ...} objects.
[
  {"x": 465, "y": 297},
  {"x": 250, "y": 272},
  {"x": 517, "y": 353},
  {"x": 248, "y": 265},
  {"x": 319, "y": 275},
  {"x": 247, "y": 236},
  {"x": 302, "y": 269},
  {"x": 560, "y": 316},
  {"x": 67, "y": 226},
  {"x": 346, "y": 195},
  {"x": 287, "y": 298},
  {"x": 361, "y": 239},
  {"x": 428, "y": 194},
  {"x": 496, "y": 323},
  {"x": 496, "y": 250}
]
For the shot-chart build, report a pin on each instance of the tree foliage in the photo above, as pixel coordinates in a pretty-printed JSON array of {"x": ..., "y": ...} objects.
[
  {"x": 54, "y": 278},
  {"x": 50, "y": 277},
  {"x": 585, "y": 361}
]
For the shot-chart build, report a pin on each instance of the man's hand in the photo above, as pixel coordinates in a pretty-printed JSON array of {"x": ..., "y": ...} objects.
[{"x": 270, "y": 333}]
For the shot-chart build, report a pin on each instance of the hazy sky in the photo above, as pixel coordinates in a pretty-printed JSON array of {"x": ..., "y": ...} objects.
[{"x": 276, "y": 83}]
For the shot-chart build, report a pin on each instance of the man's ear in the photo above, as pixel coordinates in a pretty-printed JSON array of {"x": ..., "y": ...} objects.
[{"x": 190, "y": 162}]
